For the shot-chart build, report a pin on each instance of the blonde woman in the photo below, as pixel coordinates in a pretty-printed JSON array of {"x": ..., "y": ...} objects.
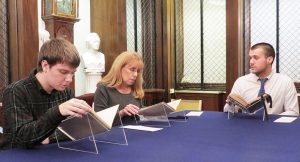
[{"x": 122, "y": 85}]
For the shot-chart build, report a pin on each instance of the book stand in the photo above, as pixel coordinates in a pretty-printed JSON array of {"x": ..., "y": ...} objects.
[
  {"x": 179, "y": 116},
  {"x": 86, "y": 141},
  {"x": 86, "y": 144},
  {"x": 253, "y": 109},
  {"x": 155, "y": 119},
  {"x": 116, "y": 135}
]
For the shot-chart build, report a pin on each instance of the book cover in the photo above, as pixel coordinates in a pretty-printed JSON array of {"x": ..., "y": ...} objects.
[
  {"x": 251, "y": 107},
  {"x": 92, "y": 123},
  {"x": 159, "y": 109}
]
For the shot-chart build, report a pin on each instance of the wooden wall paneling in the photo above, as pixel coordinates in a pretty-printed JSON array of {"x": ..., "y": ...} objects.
[
  {"x": 159, "y": 45},
  {"x": 234, "y": 42},
  {"x": 13, "y": 40},
  {"x": 108, "y": 19},
  {"x": 168, "y": 46},
  {"x": 23, "y": 37},
  {"x": 153, "y": 96}
]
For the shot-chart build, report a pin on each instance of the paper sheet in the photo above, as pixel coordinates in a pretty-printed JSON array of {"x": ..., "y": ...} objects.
[
  {"x": 194, "y": 113},
  {"x": 143, "y": 128},
  {"x": 285, "y": 119}
]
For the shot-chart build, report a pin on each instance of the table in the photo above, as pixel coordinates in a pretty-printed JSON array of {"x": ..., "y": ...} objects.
[{"x": 210, "y": 137}]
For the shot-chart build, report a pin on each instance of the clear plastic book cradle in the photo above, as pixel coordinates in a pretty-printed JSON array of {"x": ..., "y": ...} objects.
[{"x": 254, "y": 108}]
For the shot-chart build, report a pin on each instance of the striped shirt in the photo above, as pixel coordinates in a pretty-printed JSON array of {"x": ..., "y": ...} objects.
[{"x": 31, "y": 114}]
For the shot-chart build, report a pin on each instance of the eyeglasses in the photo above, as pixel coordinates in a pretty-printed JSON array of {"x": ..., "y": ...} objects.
[{"x": 134, "y": 70}]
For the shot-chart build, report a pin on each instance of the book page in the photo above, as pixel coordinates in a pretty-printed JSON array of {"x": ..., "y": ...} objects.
[
  {"x": 153, "y": 110},
  {"x": 92, "y": 123},
  {"x": 174, "y": 104},
  {"x": 108, "y": 115},
  {"x": 194, "y": 113},
  {"x": 238, "y": 100},
  {"x": 79, "y": 128},
  {"x": 285, "y": 119},
  {"x": 142, "y": 128}
]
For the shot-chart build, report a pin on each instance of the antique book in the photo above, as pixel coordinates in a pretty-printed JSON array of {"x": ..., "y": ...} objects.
[
  {"x": 251, "y": 107},
  {"x": 159, "y": 109},
  {"x": 92, "y": 123}
]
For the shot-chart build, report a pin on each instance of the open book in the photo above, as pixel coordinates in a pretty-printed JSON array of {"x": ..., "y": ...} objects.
[
  {"x": 255, "y": 105},
  {"x": 92, "y": 123},
  {"x": 159, "y": 109}
]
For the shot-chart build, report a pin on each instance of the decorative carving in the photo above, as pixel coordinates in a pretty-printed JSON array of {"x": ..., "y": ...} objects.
[{"x": 64, "y": 32}]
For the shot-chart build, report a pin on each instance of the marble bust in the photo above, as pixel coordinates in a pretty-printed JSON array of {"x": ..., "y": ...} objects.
[
  {"x": 93, "y": 60},
  {"x": 44, "y": 35}
]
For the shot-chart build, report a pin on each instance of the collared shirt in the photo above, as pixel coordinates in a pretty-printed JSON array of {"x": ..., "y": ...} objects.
[
  {"x": 280, "y": 87},
  {"x": 31, "y": 114}
]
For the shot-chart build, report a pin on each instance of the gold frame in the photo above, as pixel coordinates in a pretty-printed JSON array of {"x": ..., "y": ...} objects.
[{"x": 52, "y": 8}]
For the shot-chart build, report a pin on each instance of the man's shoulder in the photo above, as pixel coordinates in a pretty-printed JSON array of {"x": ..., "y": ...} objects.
[
  {"x": 247, "y": 77},
  {"x": 20, "y": 84},
  {"x": 283, "y": 77}
]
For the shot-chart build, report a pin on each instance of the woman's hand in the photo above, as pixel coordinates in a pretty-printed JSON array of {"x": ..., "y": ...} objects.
[{"x": 129, "y": 110}]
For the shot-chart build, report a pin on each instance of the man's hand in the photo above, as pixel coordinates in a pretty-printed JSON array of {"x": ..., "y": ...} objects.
[
  {"x": 46, "y": 141},
  {"x": 129, "y": 110},
  {"x": 74, "y": 107}
]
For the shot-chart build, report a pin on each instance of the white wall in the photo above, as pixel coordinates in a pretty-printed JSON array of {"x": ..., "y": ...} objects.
[{"x": 81, "y": 29}]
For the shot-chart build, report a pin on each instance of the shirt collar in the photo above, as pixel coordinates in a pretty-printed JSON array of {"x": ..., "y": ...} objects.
[
  {"x": 269, "y": 76},
  {"x": 35, "y": 82}
]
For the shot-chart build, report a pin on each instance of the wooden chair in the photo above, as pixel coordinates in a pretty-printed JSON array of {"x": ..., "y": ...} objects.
[
  {"x": 190, "y": 105},
  {"x": 89, "y": 98},
  {"x": 153, "y": 96}
]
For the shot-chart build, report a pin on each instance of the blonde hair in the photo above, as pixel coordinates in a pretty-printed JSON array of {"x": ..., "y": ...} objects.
[{"x": 114, "y": 76}]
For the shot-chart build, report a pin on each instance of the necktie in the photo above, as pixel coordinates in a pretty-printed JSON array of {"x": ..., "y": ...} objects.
[{"x": 262, "y": 86}]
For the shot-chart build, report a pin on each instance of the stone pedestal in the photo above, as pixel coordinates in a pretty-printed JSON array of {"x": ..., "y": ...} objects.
[{"x": 92, "y": 79}]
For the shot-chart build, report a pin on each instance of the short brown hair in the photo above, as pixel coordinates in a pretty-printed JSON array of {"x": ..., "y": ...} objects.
[
  {"x": 58, "y": 50},
  {"x": 268, "y": 48}
]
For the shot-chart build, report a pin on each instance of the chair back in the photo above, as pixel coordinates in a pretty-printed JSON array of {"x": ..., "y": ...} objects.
[
  {"x": 190, "y": 105},
  {"x": 89, "y": 98}
]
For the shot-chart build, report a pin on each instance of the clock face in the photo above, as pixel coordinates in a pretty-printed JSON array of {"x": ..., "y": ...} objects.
[{"x": 64, "y": 7}]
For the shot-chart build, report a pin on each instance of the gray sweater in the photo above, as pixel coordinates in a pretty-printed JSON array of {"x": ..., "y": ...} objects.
[{"x": 106, "y": 97}]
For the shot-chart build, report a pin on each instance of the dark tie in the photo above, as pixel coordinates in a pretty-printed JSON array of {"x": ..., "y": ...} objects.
[{"x": 262, "y": 86}]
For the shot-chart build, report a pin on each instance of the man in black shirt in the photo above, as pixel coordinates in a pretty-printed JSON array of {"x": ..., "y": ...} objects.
[{"x": 35, "y": 105}]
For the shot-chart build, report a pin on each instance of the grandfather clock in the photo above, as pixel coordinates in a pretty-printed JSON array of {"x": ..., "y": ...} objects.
[{"x": 59, "y": 17}]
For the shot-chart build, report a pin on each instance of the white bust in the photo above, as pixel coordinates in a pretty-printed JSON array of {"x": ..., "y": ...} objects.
[
  {"x": 93, "y": 60},
  {"x": 44, "y": 35}
]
